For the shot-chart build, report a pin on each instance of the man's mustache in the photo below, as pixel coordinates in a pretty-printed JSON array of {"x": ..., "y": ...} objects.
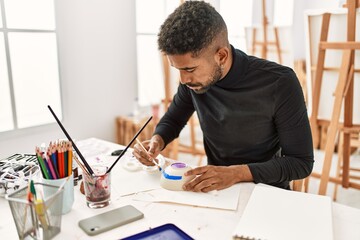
[{"x": 193, "y": 85}]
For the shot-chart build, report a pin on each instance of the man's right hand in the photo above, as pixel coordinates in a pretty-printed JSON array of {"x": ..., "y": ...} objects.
[{"x": 153, "y": 147}]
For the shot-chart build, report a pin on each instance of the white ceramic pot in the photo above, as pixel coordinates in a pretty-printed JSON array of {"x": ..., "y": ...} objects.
[{"x": 172, "y": 177}]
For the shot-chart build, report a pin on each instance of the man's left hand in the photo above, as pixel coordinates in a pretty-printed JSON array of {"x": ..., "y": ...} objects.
[{"x": 212, "y": 178}]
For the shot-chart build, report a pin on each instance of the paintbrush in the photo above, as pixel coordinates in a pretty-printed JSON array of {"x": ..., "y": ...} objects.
[
  {"x": 81, "y": 166},
  {"x": 147, "y": 153},
  {"x": 88, "y": 168},
  {"x": 132, "y": 140}
]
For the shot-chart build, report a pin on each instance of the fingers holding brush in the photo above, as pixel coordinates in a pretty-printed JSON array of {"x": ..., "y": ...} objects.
[
  {"x": 142, "y": 154},
  {"x": 150, "y": 158}
]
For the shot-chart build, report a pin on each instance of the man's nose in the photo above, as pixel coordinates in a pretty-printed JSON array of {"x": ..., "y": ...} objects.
[{"x": 184, "y": 79}]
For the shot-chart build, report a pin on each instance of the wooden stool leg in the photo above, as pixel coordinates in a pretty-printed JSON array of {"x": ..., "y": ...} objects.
[
  {"x": 306, "y": 184},
  {"x": 119, "y": 130},
  {"x": 298, "y": 185},
  {"x": 339, "y": 163}
]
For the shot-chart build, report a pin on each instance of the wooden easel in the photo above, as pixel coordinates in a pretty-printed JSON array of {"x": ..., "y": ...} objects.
[
  {"x": 264, "y": 44},
  {"x": 343, "y": 93}
]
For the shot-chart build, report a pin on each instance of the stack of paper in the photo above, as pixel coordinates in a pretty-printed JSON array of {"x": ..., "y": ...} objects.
[{"x": 274, "y": 213}]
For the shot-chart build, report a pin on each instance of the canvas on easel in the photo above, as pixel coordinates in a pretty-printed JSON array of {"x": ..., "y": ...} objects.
[
  {"x": 335, "y": 73},
  {"x": 272, "y": 38}
]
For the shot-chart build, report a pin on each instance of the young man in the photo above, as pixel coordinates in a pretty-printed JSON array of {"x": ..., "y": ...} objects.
[{"x": 251, "y": 111}]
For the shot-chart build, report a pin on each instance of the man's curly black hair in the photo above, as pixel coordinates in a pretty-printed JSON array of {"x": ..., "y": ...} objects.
[{"x": 192, "y": 27}]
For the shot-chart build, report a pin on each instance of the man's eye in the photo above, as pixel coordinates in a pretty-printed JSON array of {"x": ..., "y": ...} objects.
[{"x": 190, "y": 70}]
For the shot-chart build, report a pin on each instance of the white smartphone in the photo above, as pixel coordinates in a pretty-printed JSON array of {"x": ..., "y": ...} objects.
[{"x": 110, "y": 220}]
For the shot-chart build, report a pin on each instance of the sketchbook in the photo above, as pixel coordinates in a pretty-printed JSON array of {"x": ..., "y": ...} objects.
[{"x": 274, "y": 213}]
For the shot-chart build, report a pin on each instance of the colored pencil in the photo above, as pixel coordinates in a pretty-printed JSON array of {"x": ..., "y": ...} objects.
[
  {"x": 51, "y": 167},
  {"x": 70, "y": 159},
  {"x": 61, "y": 162},
  {"x": 57, "y": 162},
  {"x": 54, "y": 160},
  {"x": 47, "y": 167},
  {"x": 58, "y": 157},
  {"x": 41, "y": 163},
  {"x": 66, "y": 161}
]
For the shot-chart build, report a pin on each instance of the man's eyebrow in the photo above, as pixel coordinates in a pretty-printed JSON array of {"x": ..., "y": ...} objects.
[{"x": 187, "y": 68}]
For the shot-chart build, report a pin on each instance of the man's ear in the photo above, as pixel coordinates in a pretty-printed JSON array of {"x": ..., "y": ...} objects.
[{"x": 222, "y": 55}]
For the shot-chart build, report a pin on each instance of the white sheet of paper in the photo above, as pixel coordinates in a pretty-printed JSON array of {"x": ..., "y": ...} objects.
[
  {"x": 92, "y": 147},
  {"x": 274, "y": 213},
  {"x": 147, "y": 184},
  {"x": 131, "y": 182},
  {"x": 223, "y": 199}
]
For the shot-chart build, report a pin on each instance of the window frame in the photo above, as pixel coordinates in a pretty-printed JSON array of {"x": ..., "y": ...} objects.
[{"x": 5, "y": 30}]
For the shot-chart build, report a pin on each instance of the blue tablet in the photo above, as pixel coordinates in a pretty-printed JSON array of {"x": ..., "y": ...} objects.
[{"x": 165, "y": 232}]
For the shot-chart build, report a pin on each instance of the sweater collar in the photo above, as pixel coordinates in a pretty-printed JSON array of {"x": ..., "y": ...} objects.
[{"x": 238, "y": 69}]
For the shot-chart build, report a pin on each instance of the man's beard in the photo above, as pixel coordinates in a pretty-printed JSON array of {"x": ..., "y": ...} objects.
[{"x": 216, "y": 76}]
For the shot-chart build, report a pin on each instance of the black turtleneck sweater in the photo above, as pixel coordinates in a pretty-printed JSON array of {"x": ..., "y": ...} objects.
[{"x": 255, "y": 115}]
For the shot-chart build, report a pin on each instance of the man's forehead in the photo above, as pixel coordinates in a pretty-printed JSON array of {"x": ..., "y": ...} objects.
[{"x": 184, "y": 61}]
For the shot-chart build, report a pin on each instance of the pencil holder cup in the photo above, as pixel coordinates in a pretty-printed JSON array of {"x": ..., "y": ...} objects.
[
  {"x": 68, "y": 195},
  {"x": 38, "y": 219}
]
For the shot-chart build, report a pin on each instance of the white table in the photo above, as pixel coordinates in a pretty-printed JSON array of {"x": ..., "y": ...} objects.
[{"x": 198, "y": 222}]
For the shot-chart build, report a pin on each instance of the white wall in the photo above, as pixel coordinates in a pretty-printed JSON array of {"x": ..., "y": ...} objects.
[{"x": 97, "y": 47}]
